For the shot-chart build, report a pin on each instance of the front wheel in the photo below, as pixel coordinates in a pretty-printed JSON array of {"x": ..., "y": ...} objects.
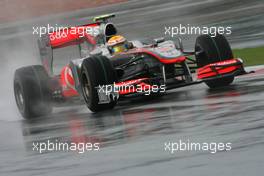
[
  {"x": 96, "y": 71},
  {"x": 210, "y": 50}
]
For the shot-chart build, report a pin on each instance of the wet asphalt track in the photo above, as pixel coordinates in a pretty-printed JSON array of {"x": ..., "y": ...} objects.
[{"x": 132, "y": 136}]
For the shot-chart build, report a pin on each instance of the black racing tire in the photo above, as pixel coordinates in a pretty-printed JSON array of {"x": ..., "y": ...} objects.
[
  {"x": 210, "y": 50},
  {"x": 32, "y": 92},
  {"x": 95, "y": 71}
]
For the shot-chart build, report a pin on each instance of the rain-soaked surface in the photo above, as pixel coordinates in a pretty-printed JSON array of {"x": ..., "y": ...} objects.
[{"x": 132, "y": 137}]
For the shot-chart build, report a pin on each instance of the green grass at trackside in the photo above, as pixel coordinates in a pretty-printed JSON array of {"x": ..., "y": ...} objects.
[{"x": 250, "y": 56}]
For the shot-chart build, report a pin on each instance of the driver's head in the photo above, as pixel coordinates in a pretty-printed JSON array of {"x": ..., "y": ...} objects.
[{"x": 117, "y": 44}]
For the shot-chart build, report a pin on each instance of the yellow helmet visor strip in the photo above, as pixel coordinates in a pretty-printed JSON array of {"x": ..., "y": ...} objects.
[{"x": 119, "y": 48}]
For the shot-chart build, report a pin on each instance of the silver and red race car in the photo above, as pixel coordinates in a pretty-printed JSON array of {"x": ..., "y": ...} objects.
[{"x": 78, "y": 66}]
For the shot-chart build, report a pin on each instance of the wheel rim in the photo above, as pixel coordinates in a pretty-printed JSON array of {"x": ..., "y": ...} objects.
[
  {"x": 86, "y": 87},
  {"x": 19, "y": 98}
]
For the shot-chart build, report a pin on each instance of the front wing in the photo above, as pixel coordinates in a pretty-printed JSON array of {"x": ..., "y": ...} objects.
[{"x": 231, "y": 67}]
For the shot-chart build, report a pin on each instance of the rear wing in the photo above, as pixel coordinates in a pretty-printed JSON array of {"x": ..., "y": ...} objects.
[
  {"x": 62, "y": 38},
  {"x": 67, "y": 35},
  {"x": 92, "y": 32}
]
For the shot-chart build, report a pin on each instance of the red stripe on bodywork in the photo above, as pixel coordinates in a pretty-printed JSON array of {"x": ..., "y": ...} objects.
[
  {"x": 131, "y": 86},
  {"x": 67, "y": 83}
]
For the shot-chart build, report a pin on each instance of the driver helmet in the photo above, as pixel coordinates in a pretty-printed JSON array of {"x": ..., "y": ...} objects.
[{"x": 117, "y": 44}]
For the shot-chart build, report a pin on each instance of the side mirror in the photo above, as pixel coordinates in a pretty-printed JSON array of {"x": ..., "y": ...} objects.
[
  {"x": 179, "y": 44},
  {"x": 159, "y": 40}
]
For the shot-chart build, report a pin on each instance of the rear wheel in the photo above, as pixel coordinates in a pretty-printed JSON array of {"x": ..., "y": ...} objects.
[
  {"x": 32, "y": 93},
  {"x": 210, "y": 50},
  {"x": 96, "y": 70}
]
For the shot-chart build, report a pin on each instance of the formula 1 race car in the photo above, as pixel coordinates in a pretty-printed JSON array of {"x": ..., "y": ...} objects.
[{"x": 79, "y": 66}]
